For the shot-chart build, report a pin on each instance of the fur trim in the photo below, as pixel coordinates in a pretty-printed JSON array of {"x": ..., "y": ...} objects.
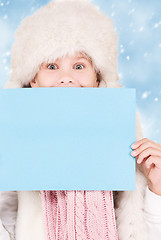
[
  {"x": 30, "y": 225},
  {"x": 129, "y": 204},
  {"x": 59, "y": 28}
]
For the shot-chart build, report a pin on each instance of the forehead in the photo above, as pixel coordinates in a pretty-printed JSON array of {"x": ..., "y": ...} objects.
[
  {"x": 80, "y": 55},
  {"x": 75, "y": 57}
]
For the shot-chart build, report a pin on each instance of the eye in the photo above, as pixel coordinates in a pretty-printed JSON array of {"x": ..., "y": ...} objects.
[
  {"x": 79, "y": 66},
  {"x": 52, "y": 67}
]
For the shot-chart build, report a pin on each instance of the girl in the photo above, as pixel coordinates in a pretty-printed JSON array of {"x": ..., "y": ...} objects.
[{"x": 71, "y": 43}]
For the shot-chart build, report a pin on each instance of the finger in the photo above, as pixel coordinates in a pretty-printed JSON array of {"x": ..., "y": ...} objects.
[
  {"x": 144, "y": 146},
  {"x": 145, "y": 168},
  {"x": 139, "y": 142},
  {"x": 153, "y": 162},
  {"x": 144, "y": 140},
  {"x": 148, "y": 152}
]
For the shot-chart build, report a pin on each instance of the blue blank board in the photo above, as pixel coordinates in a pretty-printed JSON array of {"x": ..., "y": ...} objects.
[{"x": 67, "y": 139}]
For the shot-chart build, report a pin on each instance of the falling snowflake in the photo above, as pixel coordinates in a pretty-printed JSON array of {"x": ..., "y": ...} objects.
[
  {"x": 8, "y": 53},
  {"x": 156, "y": 25},
  {"x": 6, "y": 68},
  {"x": 122, "y": 49},
  {"x": 145, "y": 95},
  {"x": 120, "y": 76},
  {"x": 5, "y": 17},
  {"x": 141, "y": 29}
]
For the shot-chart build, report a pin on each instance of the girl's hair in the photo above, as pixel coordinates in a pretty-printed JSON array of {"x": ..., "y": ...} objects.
[
  {"x": 27, "y": 86},
  {"x": 94, "y": 67}
]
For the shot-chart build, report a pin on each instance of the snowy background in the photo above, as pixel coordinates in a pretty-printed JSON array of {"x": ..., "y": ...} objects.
[{"x": 138, "y": 24}]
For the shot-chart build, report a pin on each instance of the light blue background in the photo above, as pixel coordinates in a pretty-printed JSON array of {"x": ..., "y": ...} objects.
[
  {"x": 138, "y": 24},
  {"x": 67, "y": 139}
]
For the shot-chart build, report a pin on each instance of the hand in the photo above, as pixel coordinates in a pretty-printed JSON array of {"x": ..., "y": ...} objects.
[{"x": 148, "y": 154}]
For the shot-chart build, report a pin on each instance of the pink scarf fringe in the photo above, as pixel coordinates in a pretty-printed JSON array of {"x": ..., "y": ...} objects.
[{"x": 79, "y": 215}]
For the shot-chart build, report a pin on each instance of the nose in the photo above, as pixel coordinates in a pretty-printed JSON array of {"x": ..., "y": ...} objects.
[{"x": 66, "y": 80}]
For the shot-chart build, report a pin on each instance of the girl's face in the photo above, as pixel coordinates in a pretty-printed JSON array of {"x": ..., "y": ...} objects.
[{"x": 70, "y": 71}]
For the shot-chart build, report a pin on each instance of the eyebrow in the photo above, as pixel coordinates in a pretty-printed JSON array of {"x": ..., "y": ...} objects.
[{"x": 77, "y": 58}]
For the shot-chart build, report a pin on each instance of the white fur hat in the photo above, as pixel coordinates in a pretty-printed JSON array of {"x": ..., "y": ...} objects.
[{"x": 64, "y": 27}]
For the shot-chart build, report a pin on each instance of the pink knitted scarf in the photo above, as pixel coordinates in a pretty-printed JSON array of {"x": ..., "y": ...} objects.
[{"x": 79, "y": 215}]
